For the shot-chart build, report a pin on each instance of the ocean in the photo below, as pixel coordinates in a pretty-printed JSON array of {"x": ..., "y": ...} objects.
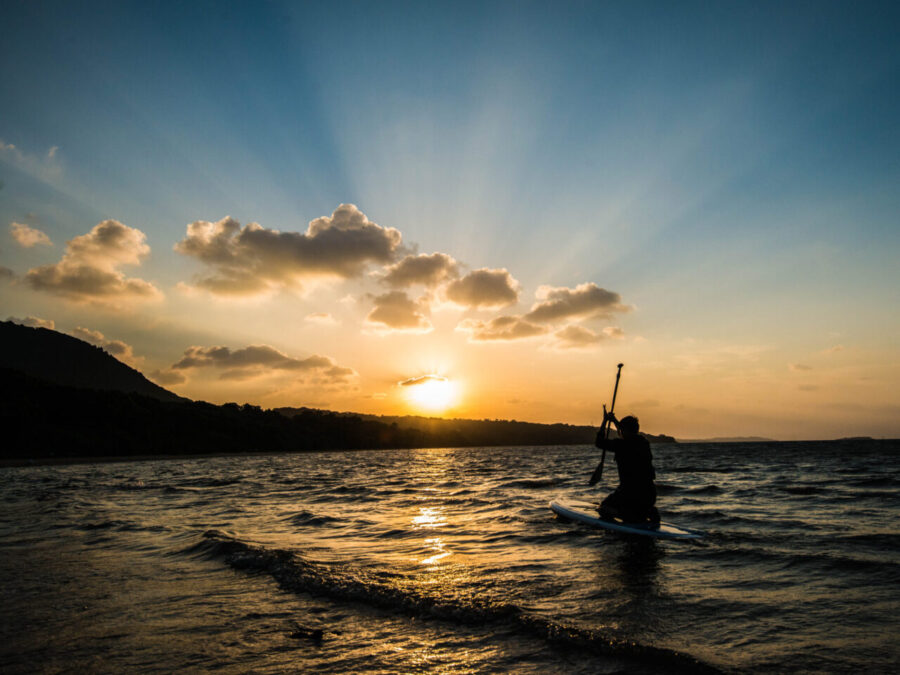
[{"x": 449, "y": 561}]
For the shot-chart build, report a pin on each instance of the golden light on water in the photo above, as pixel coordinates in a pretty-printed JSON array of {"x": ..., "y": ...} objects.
[{"x": 428, "y": 517}]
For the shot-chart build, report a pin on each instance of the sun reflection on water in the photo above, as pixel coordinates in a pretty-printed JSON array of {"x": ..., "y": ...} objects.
[
  {"x": 437, "y": 545},
  {"x": 429, "y": 517}
]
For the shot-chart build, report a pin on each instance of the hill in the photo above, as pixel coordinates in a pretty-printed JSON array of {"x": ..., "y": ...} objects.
[
  {"x": 62, "y": 359},
  {"x": 63, "y": 397}
]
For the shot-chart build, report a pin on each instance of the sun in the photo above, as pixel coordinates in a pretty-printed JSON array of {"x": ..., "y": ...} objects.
[{"x": 431, "y": 392}]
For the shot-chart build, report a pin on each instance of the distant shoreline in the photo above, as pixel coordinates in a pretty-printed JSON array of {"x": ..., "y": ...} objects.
[{"x": 121, "y": 459}]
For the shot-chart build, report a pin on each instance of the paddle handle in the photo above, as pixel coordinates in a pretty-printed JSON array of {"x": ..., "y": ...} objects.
[{"x": 604, "y": 429}]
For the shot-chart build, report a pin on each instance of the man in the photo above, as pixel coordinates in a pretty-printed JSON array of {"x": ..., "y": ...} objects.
[{"x": 633, "y": 501}]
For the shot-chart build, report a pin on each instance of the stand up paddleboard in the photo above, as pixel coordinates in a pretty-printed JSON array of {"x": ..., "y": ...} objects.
[{"x": 585, "y": 512}]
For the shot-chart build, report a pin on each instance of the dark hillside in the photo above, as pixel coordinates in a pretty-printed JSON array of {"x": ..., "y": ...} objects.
[{"x": 65, "y": 360}]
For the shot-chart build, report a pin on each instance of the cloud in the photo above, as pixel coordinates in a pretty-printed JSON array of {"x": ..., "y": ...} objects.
[
  {"x": 501, "y": 328},
  {"x": 28, "y": 237},
  {"x": 256, "y": 360},
  {"x": 33, "y": 322},
  {"x": 253, "y": 259},
  {"x": 89, "y": 270},
  {"x": 117, "y": 348},
  {"x": 422, "y": 379},
  {"x": 798, "y": 367},
  {"x": 833, "y": 350},
  {"x": 397, "y": 312},
  {"x": 579, "y": 337},
  {"x": 322, "y": 318},
  {"x": 45, "y": 167},
  {"x": 484, "y": 288},
  {"x": 428, "y": 270},
  {"x": 6, "y": 273},
  {"x": 585, "y": 301},
  {"x": 167, "y": 377}
]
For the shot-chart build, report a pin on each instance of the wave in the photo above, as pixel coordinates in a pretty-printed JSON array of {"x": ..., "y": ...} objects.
[
  {"x": 297, "y": 574},
  {"x": 705, "y": 490},
  {"x": 305, "y": 518},
  {"x": 529, "y": 483}
]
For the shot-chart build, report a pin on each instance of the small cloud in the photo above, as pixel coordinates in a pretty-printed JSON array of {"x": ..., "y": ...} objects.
[
  {"x": 33, "y": 322},
  {"x": 95, "y": 337},
  {"x": 585, "y": 301},
  {"x": 321, "y": 318},
  {"x": 798, "y": 367},
  {"x": 121, "y": 350},
  {"x": 833, "y": 350},
  {"x": 167, "y": 377},
  {"x": 89, "y": 269},
  {"x": 253, "y": 260},
  {"x": 395, "y": 311},
  {"x": 257, "y": 360},
  {"x": 421, "y": 379},
  {"x": 484, "y": 288},
  {"x": 6, "y": 273},
  {"x": 578, "y": 337},
  {"x": 645, "y": 403},
  {"x": 45, "y": 167},
  {"x": 428, "y": 270},
  {"x": 501, "y": 328},
  {"x": 27, "y": 237}
]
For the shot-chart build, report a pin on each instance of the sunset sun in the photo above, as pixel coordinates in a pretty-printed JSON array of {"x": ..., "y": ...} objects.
[{"x": 433, "y": 393}]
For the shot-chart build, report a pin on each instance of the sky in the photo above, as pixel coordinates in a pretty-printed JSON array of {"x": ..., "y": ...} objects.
[{"x": 468, "y": 209}]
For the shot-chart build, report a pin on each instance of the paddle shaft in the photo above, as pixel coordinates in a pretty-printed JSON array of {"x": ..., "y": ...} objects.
[{"x": 598, "y": 472}]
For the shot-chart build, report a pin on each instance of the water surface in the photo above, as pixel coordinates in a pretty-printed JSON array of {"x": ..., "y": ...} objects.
[{"x": 450, "y": 561}]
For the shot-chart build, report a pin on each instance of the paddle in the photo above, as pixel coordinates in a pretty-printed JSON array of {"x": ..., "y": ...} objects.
[{"x": 604, "y": 429}]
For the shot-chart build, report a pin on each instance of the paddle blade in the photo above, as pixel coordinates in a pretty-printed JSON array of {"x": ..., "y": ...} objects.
[{"x": 597, "y": 475}]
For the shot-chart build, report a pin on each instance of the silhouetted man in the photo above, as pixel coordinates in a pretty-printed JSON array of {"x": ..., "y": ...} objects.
[{"x": 633, "y": 501}]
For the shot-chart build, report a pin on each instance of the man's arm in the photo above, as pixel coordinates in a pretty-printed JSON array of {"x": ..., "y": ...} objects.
[{"x": 602, "y": 441}]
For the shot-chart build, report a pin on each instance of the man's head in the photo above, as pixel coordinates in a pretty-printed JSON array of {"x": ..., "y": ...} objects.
[{"x": 629, "y": 426}]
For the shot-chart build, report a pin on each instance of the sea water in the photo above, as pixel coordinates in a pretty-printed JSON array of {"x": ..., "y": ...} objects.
[{"x": 449, "y": 561}]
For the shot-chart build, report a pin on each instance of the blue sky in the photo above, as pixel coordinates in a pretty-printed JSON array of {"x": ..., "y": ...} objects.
[{"x": 730, "y": 169}]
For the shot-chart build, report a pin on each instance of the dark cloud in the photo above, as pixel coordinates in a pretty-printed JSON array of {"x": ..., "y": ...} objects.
[
  {"x": 253, "y": 259},
  {"x": 6, "y": 273},
  {"x": 398, "y": 312},
  {"x": 255, "y": 360},
  {"x": 484, "y": 288},
  {"x": 33, "y": 322},
  {"x": 428, "y": 270},
  {"x": 501, "y": 328},
  {"x": 89, "y": 270},
  {"x": 422, "y": 379},
  {"x": 585, "y": 301},
  {"x": 799, "y": 367}
]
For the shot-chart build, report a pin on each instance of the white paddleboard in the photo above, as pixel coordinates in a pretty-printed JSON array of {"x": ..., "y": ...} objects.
[{"x": 585, "y": 512}]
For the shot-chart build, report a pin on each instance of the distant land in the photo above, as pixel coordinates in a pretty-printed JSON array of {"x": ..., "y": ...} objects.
[
  {"x": 728, "y": 439},
  {"x": 65, "y": 398}
]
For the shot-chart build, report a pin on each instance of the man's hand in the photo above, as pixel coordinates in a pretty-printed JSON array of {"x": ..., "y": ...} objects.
[{"x": 610, "y": 417}]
